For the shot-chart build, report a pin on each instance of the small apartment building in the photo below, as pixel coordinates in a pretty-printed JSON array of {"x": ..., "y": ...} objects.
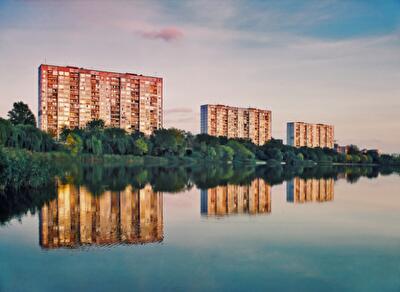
[
  {"x": 234, "y": 122},
  {"x": 301, "y": 134}
]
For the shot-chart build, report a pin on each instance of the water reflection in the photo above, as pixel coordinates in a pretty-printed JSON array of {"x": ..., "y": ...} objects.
[
  {"x": 254, "y": 198},
  {"x": 99, "y": 179},
  {"x": 77, "y": 217},
  {"x": 300, "y": 190}
]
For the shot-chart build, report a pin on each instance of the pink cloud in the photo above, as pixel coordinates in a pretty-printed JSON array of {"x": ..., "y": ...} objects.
[{"x": 167, "y": 34}]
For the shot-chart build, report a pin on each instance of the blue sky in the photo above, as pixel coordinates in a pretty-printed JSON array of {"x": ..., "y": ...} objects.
[{"x": 336, "y": 62}]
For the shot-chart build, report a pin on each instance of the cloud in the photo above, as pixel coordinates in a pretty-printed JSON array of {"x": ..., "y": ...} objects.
[
  {"x": 180, "y": 120},
  {"x": 178, "y": 110},
  {"x": 167, "y": 34}
]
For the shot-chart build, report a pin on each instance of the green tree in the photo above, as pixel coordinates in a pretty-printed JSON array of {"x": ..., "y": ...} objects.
[
  {"x": 274, "y": 153},
  {"x": 94, "y": 145},
  {"x": 96, "y": 124},
  {"x": 168, "y": 141},
  {"x": 241, "y": 152},
  {"x": 5, "y": 131},
  {"x": 74, "y": 144},
  {"x": 225, "y": 152},
  {"x": 140, "y": 147},
  {"x": 355, "y": 158},
  {"x": 290, "y": 158},
  {"x": 211, "y": 153},
  {"x": 21, "y": 114},
  {"x": 300, "y": 156}
]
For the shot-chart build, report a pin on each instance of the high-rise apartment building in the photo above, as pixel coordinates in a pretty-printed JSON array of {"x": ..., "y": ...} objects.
[
  {"x": 251, "y": 199},
  {"x": 311, "y": 135},
  {"x": 76, "y": 217},
  {"x": 71, "y": 97},
  {"x": 234, "y": 122}
]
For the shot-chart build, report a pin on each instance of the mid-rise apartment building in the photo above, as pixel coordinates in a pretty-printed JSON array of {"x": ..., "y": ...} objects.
[
  {"x": 311, "y": 135},
  {"x": 71, "y": 97},
  {"x": 234, "y": 122}
]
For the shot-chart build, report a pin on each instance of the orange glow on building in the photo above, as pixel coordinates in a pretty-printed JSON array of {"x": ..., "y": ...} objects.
[
  {"x": 301, "y": 134},
  {"x": 71, "y": 97},
  {"x": 234, "y": 122}
]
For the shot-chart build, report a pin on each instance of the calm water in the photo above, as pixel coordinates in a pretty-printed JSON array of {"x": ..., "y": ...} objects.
[{"x": 196, "y": 230}]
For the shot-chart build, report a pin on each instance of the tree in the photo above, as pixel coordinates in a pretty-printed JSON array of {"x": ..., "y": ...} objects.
[
  {"x": 355, "y": 158},
  {"x": 225, "y": 152},
  {"x": 241, "y": 152},
  {"x": 353, "y": 150},
  {"x": 21, "y": 114},
  {"x": 300, "y": 156},
  {"x": 96, "y": 124},
  {"x": 94, "y": 145},
  {"x": 274, "y": 153},
  {"x": 290, "y": 158},
  {"x": 211, "y": 153},
  {"x": 74, "y": 144},
  {"x": 168, "y": 141},
  {"x": 140, "y": 147},
  {"x": 5, "y": 131}
]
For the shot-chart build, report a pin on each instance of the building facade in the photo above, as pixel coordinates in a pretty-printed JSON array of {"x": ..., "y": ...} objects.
[
  {"x": 236, "y": 199},
  {"x": 77, "y": 217},
  {"x": 301, "y": 134},
  {"x": 234, "y": 122},
  {"x": 71, "y": 97}
]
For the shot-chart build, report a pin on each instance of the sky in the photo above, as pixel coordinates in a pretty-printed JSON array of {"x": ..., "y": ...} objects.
[{"x": 335, "y": 62}]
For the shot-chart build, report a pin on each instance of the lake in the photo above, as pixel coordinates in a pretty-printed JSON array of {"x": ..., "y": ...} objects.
[{"x": 231, "y": 228}]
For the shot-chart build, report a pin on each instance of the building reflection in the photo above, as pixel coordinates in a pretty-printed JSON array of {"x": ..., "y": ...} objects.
[
  {"x": 235, "y": 199},
  {"x": 300, "y": 190},
  {"x": 77, "y": 217}
]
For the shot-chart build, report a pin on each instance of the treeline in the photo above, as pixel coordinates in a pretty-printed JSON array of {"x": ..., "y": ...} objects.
[
  {"x": 275, "y": 150},
  {"x": 173, "y": 144},
  {"x": 97, "y": 139}
]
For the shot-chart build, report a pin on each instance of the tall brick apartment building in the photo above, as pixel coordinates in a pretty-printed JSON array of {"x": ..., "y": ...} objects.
[{"x": 71, "y": 97}]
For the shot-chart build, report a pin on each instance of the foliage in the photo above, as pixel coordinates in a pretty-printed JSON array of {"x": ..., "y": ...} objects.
[
  {"x": 25, "y": 136},
  {"x": 173, "y": 144},
  {"x": 21, "y": 169},
  {"x": 74, "y": 144},
  {"x": 21, "y": 114}
]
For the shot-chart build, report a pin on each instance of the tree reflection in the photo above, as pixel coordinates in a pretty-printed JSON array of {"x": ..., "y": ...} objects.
[{"x": 98, "y": 179}]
